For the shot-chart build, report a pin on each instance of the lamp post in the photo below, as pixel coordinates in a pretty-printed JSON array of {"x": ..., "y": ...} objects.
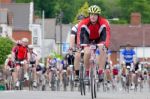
[
  {"x": 60, "y": 16},
  {"x": 42, "y": 36}
]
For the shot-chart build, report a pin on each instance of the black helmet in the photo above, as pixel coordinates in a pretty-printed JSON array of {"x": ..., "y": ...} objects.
[{"x": 80, "y": 17}]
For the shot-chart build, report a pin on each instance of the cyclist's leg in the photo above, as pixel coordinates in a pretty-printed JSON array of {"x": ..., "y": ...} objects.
[
  {"x": 101, "y": 59},
  {"x": 86, "y": 59},
  {"x": 34, "y": 75},
  {"x": 26, "y": 66},
  {"x": 77, "y": 63},
  {"x": 16, "y": 73},
  {"x": 84, "y": 39}
]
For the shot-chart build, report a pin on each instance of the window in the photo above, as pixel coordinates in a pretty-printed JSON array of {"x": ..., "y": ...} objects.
[
  {"x": 35, "y": 40},
  {"x": 35, "y": 32}
]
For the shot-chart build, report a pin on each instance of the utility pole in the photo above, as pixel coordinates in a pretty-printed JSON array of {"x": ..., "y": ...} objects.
[
  {"x": 42, "y": 36},
  {"x": 60, "y": 17}
]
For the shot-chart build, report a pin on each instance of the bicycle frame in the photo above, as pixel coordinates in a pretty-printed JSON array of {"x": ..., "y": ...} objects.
[{"x": 93, "y": 70}]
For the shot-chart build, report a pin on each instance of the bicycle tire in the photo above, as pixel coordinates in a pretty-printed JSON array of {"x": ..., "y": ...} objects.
[{"x": 92, "y": 83}]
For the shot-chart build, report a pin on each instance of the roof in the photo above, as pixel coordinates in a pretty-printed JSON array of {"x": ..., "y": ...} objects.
[
  {"x": 135, "y": 35},
  {"x": 21, "y": 13},
  {"x": 49, "y": 25}
]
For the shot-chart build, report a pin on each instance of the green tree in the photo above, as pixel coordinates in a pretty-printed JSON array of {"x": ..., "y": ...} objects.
[
  {"x": 83, "y": 10},
  {"x": 24, "y": 1},
  {"x": 5, "y": 48},
  {"x": 129, "y": 6}
]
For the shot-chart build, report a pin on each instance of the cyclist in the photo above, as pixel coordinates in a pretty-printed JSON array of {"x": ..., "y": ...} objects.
[
  {"x": 20, "y": 54},
  {"x": 51, "y": 65},
  {"x": 94, "y": 28},
  {"x": 73, "y": 42},
  {"x": 33, "y": 62},
  {"x": 70, "y": 60},
  {"x": 129, "y": 59},
  {"x": 9, "y": 67}
]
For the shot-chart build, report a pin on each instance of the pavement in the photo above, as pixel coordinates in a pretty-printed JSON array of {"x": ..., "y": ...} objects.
[{"x": 119, "y": 94}]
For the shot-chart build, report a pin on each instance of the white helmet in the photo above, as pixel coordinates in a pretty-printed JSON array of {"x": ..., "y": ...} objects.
[
  {"x": 30, "y": 46},
  {"x": 9, "y": 56},
  {"x": 25, "y": 40}
]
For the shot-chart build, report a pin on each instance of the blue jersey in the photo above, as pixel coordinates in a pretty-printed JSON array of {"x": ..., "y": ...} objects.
[{"x": 128, "y": 55}]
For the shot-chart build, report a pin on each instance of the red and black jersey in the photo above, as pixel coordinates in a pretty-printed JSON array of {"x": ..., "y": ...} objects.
[
  {"x": 95, "y": 30},
  {"x": 20, "y": 52}
]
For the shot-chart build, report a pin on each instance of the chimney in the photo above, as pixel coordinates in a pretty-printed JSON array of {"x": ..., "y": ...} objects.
[
  {"x": 10, "y": 18},
  {"x": 6, "y": 1},
  {"x": 135, "y": 19}
]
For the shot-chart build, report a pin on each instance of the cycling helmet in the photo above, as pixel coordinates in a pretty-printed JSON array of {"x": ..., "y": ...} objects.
[
  {"x": 94, "y": 9},
  {"x": 9, "y": 56},
  {"x": 30, "y": 46},
  {"x": 80, "y": 17},
  {"x": 18, "y": 42},
  {"x": 25, "y": 40}
]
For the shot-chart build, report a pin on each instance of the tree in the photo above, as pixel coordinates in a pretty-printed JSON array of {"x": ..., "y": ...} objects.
[
  {"x": 5, "y": 48},
  {"x": 25, "y": 1},
  {"x": 129, "y": 6},
  {"x": 83, "y": 10}
]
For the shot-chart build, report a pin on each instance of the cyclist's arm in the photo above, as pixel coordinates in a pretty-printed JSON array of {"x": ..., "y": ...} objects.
[
  {"x": 72, "y": 41},
  {"x": 13, "y": 52},
  {"x": 37, "y": 60},
  {"x": 47, "y": 63},
  {"x": 105, "y": 33},
  {"x": 28, "y": 57},
  {"x": 122, "y": 60},
  {"x": 134, "y": 57},
  {"x": 6, "y": 64}
]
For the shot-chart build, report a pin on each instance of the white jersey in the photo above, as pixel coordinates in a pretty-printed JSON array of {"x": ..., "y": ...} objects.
[
  {"x": 33, "y": 57},
  {"x": 75, "y": 28}
]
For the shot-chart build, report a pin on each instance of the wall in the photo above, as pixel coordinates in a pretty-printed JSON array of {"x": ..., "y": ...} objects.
[{"x": 18, "y": 35}]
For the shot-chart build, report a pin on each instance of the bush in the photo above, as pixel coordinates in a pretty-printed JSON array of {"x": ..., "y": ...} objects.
[{"x": 5, "y": 48}]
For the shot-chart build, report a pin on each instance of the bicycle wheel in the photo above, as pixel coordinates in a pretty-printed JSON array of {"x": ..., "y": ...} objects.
[
  {"x": 21, "y": 79},
  {"x": 82, "y": 84},
  {"x": 30, "y": 81},
  {"x": 65, "y": 81},
  {"x": 71, "y": 82},
  {"x": 92, "y": 83}
]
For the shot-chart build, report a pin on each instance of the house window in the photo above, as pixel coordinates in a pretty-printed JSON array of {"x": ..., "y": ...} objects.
[
  {"x": 35, "y": 32},
  {"x": 35, "y": 40}
]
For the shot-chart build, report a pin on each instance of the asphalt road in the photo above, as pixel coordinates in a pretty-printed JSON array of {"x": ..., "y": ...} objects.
[{"x": 25, "y": 94}]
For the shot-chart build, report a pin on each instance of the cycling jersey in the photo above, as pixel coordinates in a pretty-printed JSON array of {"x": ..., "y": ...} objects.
[
  {"x": 9, "y": 63},
  {"x": 52, "y": 63},
  {"x": 64, "y": 65},
  {"x": 74, "y": 29},
  {"x": 100, "y": 30},
  {"x": 20, "y": 52},
  {"x": 128, "y": 55},
  {"x": 70, "y": 59},
  {"x": 115, "y": 71},
  {"x": 74, "y": 32},
  {"x": 32, "y": 58}
]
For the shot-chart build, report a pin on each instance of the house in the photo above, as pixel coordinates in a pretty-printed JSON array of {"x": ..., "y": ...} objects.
[
  {"x": 20, "y": 17},
  {"x": 47, "y": 39},
  {"x": 62, "y": 41},
  {"x": 135, "y": 33},
  {"x": 51, "y": 37},
  {"x": 5, "y": 25}
]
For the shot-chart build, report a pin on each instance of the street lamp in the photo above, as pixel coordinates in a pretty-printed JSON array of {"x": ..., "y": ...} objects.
[{"x": 60, "y": 16}]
